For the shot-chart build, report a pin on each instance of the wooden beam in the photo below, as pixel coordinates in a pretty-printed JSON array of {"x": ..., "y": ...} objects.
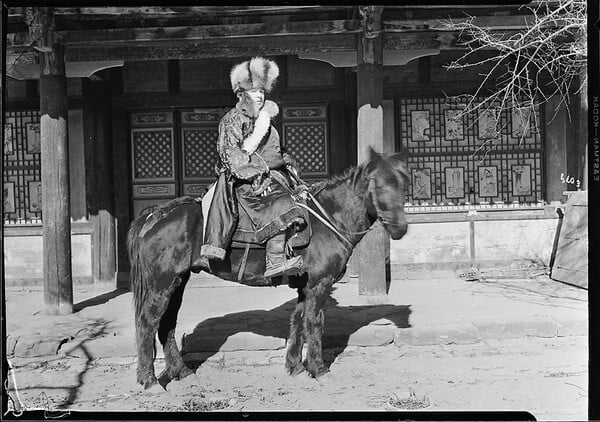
[
  {"x": 436, "y": 40},
  {"x": 494, "y": 23},
  {"x": 120, "y": 14},
  {"x": 242, "y": 47},
  {"x": 102, "y": 203},
  {"x": 122, "y": 199},
  {"x": 192, "y": 33},
  {"x": 491, "y": 6},
  {"x": 58, "y": 280},
  {"x": 371, "y": 254},
  {"x": 180, "y": 11}
]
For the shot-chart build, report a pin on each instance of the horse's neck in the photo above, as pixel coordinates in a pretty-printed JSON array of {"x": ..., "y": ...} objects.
[{"x": 348, "y": 209}]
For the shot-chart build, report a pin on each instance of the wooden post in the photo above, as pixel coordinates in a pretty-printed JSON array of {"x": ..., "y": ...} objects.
[
  {"x": 120, "y": 143},
  {"x": 372, "y": 250},
  {"x": 58, "y": 281},
  {"x": 102, "y": 203}
]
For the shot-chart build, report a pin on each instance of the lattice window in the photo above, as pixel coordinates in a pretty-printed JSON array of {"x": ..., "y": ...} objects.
[
  {"x": 22, "y": 190},
  {"x": 199, "y": 152},
  {"x": 305, "y": 135},
  {"x": 153, "y": 154},
  {"x": 456, "y": 158}
]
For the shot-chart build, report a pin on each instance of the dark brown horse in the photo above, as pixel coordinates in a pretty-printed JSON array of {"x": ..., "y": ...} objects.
[{"x": 161, "y": 260}]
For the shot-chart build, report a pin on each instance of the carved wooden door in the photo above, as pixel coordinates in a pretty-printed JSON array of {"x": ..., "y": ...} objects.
[{"x": 173, "y": 153}]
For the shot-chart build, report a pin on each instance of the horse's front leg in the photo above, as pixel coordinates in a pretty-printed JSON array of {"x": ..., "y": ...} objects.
[
  {"x": 314, "y": 318},
  {"x": 293, "y": 359}
]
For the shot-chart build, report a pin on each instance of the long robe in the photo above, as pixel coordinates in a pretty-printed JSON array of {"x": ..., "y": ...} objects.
[{"x": 236, "y": 208}]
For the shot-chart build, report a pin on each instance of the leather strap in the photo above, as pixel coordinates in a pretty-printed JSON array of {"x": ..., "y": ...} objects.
[
  {"x": 243, "y": 263},
  {"x": 324, "y": 219}
]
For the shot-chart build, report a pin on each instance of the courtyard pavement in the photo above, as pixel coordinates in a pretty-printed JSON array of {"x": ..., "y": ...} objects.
[{"x": 223, "y": 316}]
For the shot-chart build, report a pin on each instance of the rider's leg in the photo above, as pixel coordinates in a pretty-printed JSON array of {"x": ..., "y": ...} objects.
[{"x": 276, "y": 262}]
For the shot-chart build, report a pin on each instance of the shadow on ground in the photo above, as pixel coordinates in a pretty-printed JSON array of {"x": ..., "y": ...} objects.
[
  {"x": 340, "y": 323},
  {"x": 98, "y": 300},
  {"x": 96, "y": 328}
]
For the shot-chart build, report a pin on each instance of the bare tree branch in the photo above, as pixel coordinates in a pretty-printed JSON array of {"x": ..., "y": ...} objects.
[{"x": 547, "y": 59}]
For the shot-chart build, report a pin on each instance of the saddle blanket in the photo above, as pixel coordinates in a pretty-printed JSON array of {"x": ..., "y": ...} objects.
[{"x": 245, "y": 226}]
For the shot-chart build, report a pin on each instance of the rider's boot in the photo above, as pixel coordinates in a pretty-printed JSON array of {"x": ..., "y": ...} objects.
[{"x": 277, "y": 263}]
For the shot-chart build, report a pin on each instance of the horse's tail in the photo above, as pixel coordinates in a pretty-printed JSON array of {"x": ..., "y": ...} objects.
[{"x": 137, "y": 274}]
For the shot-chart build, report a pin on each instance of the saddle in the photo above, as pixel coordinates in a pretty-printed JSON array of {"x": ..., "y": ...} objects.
[{"x": 244, "y": 236}]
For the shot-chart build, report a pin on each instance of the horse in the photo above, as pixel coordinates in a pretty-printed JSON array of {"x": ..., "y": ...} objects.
[{"x": 161, "y": 262}]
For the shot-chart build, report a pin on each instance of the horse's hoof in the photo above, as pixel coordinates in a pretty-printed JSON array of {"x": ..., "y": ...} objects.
[
  {"x": 319, "y": 372},
  {"x": 183, "y": 372},
  {"x": 294, "y": 370},
  {"x": 170, "y": 374},
  {"x": 155, "y": 389},
  {"x": 147, "y": 381}
]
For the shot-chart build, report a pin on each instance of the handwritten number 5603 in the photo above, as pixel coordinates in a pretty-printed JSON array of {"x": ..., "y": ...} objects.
[{"x": 569, "y": 180}]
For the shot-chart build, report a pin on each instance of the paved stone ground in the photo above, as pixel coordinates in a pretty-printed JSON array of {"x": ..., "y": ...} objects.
[{"x": 516, "y": 344}]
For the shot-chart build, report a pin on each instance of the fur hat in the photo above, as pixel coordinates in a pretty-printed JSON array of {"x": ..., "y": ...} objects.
[{"x": 254, "y": 74}]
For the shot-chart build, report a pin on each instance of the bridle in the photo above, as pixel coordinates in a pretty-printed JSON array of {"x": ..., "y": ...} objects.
[
  {"x": 383, "y": 220},
  {"x": 328, "y": 220}
]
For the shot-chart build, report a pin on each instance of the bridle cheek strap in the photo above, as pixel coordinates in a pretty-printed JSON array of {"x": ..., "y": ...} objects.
[{"x": 372, "y": 189}]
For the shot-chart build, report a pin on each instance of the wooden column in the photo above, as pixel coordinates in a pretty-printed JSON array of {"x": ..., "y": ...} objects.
[
  {"x": 555, "y": 144},
  {"x": 372, "y": 251},
  {"x": 122, "y": 199},
  {"x": 102, "y": 203},
  {"x": 58, "y": 281}
]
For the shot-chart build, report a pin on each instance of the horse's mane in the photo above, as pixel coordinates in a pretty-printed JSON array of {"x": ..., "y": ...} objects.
[
  {"x": 352, "y": 173},
  {"x": 358, "y": 173}
]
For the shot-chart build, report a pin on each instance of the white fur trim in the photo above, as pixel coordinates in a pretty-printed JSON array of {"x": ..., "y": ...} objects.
[
  {"x": 261, "y": 127},
  {"x": 271, "y": 108},
  {"x": 255, "y": 73}
]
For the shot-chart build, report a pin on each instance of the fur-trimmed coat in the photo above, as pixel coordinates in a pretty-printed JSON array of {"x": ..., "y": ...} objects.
[{"x": 249, "y": 156}]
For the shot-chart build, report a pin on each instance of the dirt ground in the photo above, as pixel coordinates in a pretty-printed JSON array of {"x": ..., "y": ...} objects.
[{"x": 547, "y": 377}]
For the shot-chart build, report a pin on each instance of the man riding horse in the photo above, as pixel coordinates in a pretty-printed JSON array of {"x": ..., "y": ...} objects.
[{"x": 253, "y": 173}]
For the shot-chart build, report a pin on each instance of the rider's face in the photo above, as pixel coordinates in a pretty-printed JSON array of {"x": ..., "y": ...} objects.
[{"x": 258, "y": 96}]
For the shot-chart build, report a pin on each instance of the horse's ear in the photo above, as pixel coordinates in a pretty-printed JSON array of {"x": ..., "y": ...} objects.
[
  {"x": 373, "y": 155},
  {"x": 401, "y": 155}
]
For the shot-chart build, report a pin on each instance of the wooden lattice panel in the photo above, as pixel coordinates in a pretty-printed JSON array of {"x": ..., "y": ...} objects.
[
  {"x": 438, "y": 126},
  {"x": 21, "y": 176},
  {"x": 305, "y": 136},
  {"x": 199, "y": 152},
  {"x": 153, "y": 154},
  {"x": 458, "y": 158}
]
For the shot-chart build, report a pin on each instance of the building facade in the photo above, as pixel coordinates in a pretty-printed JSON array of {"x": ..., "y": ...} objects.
[{"x": 146, "y": 90}]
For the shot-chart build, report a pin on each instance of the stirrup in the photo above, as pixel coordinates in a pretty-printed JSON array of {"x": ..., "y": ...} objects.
[{"x": 288, "y": 267}]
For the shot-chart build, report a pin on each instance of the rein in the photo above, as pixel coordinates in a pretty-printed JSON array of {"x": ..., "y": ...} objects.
[
  {"x": 325, "y": 218},
  {"x": 328, "y": 220}
]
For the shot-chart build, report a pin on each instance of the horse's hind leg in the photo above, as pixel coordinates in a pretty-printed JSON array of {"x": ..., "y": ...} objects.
[
  {"x": 293, "y": 359},
  {"x": 145, "y": 333},
  {"x": 175, "y": 367},
  {"x": 146, "y": 327},
  {"x": 314, "y": 318}
]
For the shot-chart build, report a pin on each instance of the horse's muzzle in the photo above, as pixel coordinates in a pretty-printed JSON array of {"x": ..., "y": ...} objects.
[{"x": 397, "y": 231}]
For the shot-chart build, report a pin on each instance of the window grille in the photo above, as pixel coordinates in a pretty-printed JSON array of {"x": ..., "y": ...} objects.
[
  {"x": 22, "y": 187},
  {"x": 484, "y": 157}
]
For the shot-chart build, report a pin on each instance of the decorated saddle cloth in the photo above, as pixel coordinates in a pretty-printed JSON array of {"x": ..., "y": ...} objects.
[
  {"x": 261, "y": 217},
  {"x": 157, "y": 212}
]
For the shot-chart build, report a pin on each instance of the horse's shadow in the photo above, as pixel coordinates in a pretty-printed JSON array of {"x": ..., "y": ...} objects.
[{"x": 340, "y": 323}]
